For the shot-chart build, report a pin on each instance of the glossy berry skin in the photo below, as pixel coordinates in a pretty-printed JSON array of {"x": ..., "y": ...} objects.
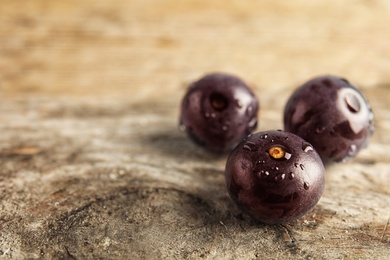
[
  {"x": 275, "y": 176},
  {"x": 332, "y": 115},
  {"x": 218, "y": 111}
]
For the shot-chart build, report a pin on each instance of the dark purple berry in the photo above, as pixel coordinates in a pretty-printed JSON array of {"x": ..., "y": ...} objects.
[
  {"x": 218, "y": 111},
  {"x": 275, "y": 176},
  {"x": 332, "y": 115}
]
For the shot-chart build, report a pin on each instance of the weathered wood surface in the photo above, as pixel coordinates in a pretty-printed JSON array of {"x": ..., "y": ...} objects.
[{"x": 92, "y": 164}]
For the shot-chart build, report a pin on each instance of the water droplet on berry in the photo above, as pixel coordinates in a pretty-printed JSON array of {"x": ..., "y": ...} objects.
[
  {"x": 260, "y": 162},
  {"x": 260, "y": 174},
  {"x": 246, "y": 147},
  {"x": 291, "y": 176},
  {"x": 306, "y": 185},
  {"x": 283, "y": 176},
  {"x": 352, "y": 150},
  {"x": 307, "y": 148},
  {"x": 320, "y": 129},
  {"x": 352, "y": 102},
  {"x": 250, "y": 146},
  {"x": 252, "y": 123},
  {"x": 238, "y": 103},
  {"x": 302, "y": 167},
  {"x": 263, "y": 174},
  {"x": 224, "y": 128},
  {"x": 249, "y": 110},
  {"x": 264, "y": 136}
]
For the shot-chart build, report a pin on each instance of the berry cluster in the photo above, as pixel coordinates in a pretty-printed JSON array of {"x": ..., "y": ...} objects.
[{"x": 277, "y": 176}]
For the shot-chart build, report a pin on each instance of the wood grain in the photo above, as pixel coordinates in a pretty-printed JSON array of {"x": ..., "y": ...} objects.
[{"x": 92, "y": 164}]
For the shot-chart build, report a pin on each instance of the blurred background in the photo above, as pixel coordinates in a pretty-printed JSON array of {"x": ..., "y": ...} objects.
[{"x": 143, "y": 50}]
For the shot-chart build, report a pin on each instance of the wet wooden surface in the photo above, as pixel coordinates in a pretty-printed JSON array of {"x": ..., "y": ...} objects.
[{"x": 92, "y": 164}]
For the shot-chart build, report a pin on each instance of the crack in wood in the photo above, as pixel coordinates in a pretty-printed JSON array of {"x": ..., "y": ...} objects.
[{"x": 385, "y": 230}]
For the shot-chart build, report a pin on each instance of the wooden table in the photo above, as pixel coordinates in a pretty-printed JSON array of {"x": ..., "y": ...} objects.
[{"x": 92, "y": 164}]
